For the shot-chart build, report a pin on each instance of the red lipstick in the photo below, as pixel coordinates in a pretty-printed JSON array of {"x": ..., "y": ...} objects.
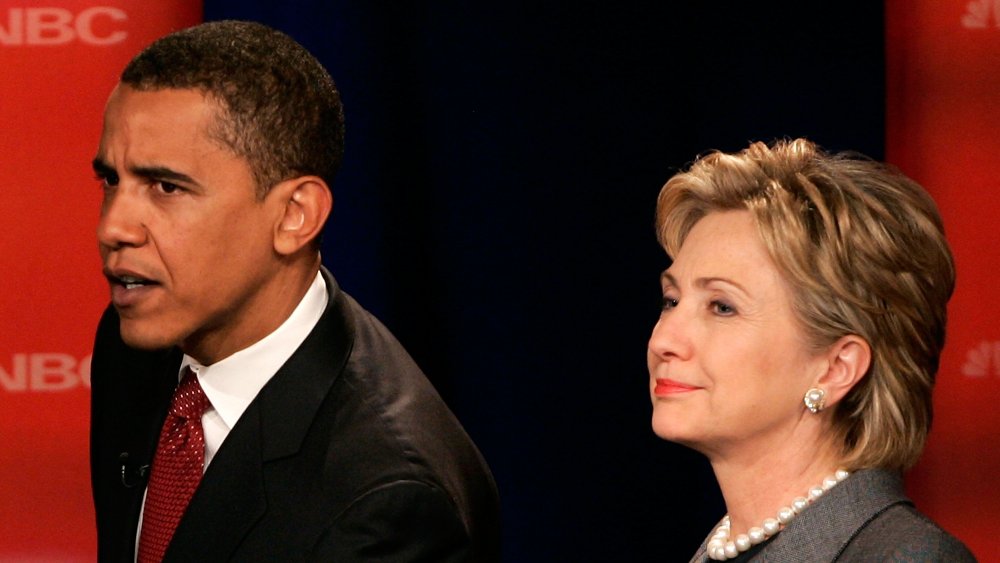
[{"x": 665, "y": 387}]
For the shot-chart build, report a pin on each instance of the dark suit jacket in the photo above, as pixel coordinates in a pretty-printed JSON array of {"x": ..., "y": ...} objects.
[
  {"x": 347, "y": 454},
  {"x": 866, "y": 517}
]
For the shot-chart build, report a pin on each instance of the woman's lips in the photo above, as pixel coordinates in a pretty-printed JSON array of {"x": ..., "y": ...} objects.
[{"x": 665, "y": 387}]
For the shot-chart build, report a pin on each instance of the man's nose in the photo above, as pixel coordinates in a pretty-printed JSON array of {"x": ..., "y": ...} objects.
[{"x": 121, "y": 222}]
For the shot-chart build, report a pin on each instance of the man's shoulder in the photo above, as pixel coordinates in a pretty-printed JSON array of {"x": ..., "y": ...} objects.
[
  {"x": 381, "y": 374},
  {"x": 388, "y": 430},
  {"x": 381, "y": 397}
]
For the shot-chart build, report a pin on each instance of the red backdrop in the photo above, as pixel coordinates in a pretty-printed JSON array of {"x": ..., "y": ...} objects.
[
  {"x": 943, "y": 66},
  {"x": 59, "y": 60}
]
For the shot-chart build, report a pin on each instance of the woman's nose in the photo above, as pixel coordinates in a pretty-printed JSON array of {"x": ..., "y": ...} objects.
[{"x": 670, "y": 337}]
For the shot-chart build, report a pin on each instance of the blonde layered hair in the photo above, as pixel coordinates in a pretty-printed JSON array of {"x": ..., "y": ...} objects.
[{"x": 863, "y": 249}]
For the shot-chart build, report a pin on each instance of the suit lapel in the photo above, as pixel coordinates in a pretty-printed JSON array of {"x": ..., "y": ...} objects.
[
  {"x": 232, "y": 495},
  {"x": 289, "y": 402},
  {"x": 229, "y": 500}
]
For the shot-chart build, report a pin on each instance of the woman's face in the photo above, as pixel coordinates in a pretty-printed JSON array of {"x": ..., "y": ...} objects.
[{"x": 728, "y": 362}]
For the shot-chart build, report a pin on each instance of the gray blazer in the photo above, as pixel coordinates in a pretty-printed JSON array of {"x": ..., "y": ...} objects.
[{"x": 867, "y": 517}]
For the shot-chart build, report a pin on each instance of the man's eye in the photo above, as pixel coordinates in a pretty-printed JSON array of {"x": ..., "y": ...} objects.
[
  {"x": 167, "y": 187},
  {"x": 106, "y": 181}
]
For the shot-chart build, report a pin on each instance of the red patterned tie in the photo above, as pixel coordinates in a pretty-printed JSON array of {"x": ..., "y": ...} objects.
[{"x": 177, "y": 468}]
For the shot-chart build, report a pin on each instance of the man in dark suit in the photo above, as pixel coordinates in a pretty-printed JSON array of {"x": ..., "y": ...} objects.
[{"x": 300, "y": 429}]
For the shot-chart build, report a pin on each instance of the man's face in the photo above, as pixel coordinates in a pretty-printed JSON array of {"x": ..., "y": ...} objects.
[{"x": 187, "y": 247}]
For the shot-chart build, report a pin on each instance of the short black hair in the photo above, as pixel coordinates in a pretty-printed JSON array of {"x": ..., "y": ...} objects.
[{"x": 280, "y": 109}]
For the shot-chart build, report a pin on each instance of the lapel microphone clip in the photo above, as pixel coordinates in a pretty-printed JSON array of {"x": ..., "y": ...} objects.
[{"x": 132, "y": 476}]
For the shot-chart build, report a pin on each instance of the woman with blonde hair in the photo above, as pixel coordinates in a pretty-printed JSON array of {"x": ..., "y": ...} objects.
[{"x": 802, "y": 325}]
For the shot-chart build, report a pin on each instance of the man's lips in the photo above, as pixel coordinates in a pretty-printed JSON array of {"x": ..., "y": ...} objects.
[
  {"x": 128, "y": 287},
  {"x": 666, "y": 387},
  {"x": 127, "y": 278}
]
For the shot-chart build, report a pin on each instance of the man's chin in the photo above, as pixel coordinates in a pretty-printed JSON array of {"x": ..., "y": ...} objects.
[{"x": 145, "y": 336}]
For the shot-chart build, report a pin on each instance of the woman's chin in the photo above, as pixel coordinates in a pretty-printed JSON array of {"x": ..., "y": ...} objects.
[{"x": 670, "y": 431}]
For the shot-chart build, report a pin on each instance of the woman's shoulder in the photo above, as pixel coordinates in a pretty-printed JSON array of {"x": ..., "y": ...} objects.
[{"x": 901, "y": 533}]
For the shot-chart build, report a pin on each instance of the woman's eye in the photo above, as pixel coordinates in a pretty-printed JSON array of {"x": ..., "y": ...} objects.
[
  {"x": 722, "y": 308},
  {"x": 669, "y": 303}
]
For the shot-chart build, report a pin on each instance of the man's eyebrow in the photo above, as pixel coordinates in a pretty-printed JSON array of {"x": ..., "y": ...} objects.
[
  {"x": 101, "y": 168},
  {"x": 162, "y": 173},
  {"x": 104, "y": 169}
]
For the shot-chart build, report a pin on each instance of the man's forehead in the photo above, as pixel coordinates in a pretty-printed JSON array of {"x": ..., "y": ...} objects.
[
  {"x": 132, "y": 96},
  {"x": 160, "y": 118}
]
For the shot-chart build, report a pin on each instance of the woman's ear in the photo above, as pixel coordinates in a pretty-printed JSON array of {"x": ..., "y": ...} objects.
[
  {"x": 305, "y": 203},
  {"x": 847, "y": 363}
]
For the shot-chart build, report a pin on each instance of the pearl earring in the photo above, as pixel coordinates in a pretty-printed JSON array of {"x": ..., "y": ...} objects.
[{"x": 815, "y": 400}]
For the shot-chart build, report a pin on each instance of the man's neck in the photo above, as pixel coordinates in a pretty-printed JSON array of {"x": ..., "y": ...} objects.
[{"x": 271, "y": 306}]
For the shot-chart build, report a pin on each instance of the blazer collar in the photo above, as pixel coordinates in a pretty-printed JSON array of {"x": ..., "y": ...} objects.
[
  {"x": 273, "y": 426},
  {"x": 823, "y": 530},
  {"x": 286, "y": 416}
]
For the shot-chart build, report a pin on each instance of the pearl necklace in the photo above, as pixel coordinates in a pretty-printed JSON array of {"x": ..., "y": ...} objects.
[{"x": 720, "y": 547}]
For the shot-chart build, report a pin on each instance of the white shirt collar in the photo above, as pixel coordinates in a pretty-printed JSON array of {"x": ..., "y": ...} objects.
[{"x": 232, "y": 383}]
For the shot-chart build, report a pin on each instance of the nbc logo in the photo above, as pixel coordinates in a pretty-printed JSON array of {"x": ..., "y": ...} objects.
[
  {"x": 58, "y": 26},
  {"x": 983, "y": 360},
  {"x": 44, "y": 372},
  {"x": 977, "y": 14}
]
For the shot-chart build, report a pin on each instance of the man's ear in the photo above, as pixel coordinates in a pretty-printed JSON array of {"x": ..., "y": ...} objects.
[
  {"x": 847, "y": 363},
  {"x": 305, "y": 204}
]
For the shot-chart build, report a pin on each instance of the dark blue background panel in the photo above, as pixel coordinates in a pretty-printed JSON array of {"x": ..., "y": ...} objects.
[{"x": 496, "y": 207}]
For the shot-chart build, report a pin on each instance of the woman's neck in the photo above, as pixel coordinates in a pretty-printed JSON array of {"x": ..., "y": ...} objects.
[{"x": 755, "y": 485}]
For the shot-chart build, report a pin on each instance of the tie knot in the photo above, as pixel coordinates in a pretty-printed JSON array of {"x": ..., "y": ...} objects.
[{"x": 189, "y": 399}]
